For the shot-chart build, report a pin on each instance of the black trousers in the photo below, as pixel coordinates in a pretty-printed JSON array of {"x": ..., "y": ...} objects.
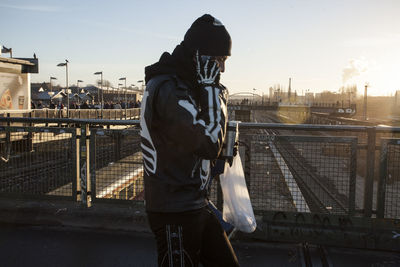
[{"x": 187, "y": 238}]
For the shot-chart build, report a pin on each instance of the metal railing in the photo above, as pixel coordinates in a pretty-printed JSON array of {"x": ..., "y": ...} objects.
[
  {"x": 315, "y": 175},
  {"x": 389, "y": 180},
  {"x": 107, "y": 114},
  {"x": 313, "y": 163},
  {"x": 38, "y": 162}
]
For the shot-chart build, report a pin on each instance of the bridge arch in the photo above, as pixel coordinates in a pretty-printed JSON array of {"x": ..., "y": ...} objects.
[{"x": 245, "y": 94}]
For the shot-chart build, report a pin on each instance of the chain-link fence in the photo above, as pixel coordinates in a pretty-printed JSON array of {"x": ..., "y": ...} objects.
[
  {"x": 117, "y": 171},
  {"x": 300, "y": 173},
  {"x": 37, "y": 161},
  {"x": 297, "y": 169},
  {"x": 389, "y": 183}
]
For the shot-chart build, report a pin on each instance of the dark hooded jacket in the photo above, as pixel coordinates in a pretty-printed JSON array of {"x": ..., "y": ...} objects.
[{"x": 183, "y": 128}]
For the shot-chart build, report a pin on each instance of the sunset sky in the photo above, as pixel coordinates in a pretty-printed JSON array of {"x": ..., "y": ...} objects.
[{"x": 321, "y": 45}]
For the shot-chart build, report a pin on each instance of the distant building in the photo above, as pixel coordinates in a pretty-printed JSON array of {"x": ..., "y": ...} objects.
[
  {"x": 309, "y": 98},
  {"x": 328, "y": 98}
]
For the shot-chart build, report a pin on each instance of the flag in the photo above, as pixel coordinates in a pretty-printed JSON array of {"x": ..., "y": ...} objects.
[{"x": 5, "y": 49}]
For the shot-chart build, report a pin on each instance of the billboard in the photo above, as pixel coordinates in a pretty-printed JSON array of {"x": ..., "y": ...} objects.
[{"x": 14, "y": 91}]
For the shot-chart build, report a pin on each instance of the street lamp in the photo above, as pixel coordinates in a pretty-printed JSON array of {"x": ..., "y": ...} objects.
[
  {"x": 66, "y": 79},
  {"x": 77, "y": 89},
  {"x": 141, "y": 81},
  {"x": 51, "y": 85},
  {"x": 77, "y": 85},
  {"x": 124, "y": 79},
  {"x": 98, "y": 92},
  {"x": 254, "y": 92}
]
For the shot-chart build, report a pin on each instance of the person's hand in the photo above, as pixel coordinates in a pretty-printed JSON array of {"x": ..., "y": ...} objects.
[{"x": 207, "y": 69}]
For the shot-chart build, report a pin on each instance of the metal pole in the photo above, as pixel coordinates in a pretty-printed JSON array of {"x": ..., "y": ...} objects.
[
  {"x": 370, "y": 172},
  {"x": 66, "y": 68},
  {"x": 380, "y": 209},
  {"x": 365, "y": 103},
  {"x": 101, "y": 86},
  {"x": 125, "y": 100},
  {"x": 84, "y": 162}
]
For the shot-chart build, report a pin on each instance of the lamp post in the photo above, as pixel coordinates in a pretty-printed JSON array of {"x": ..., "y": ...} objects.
[
  {"x": 66, "y": 80},
  {"x": 120, "y": 84},
  {"x": 124, "y": 79},
  {"x": 77, "y": 89},
  {"x": 51, "y": 85},
  {"x": 142, "y": 82},
  {"x": 254, "y": 92},
  {"x": 77, "y": 85},
  {"x": 98, "y": 92}
]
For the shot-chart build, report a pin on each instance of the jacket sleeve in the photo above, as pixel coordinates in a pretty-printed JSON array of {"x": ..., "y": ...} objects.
[{"x": 200, "y": 131}]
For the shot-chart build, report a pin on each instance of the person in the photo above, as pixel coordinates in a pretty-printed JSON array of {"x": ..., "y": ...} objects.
[
  {"x": 117, "y": 105},
  {"x": 183, "y": 124},
  {"x": 73, "y": 105},
  {"x": 52, "y": 105},
  {"x": 84, "y": 105}
]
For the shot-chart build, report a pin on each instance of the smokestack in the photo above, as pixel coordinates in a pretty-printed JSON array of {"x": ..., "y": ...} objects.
[
  {"x": 290, "y": 82},
  {"x": 365, "y": 102}
]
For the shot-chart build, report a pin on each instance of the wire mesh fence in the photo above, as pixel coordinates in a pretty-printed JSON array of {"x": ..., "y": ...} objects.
[
  {"x": 294, "y": 170},
  {"x": 37, "y": 161},
  {"x": 118, "y": 170},
  {"x": 301, "y": 173},
  {"x": 389, "y": 183}
]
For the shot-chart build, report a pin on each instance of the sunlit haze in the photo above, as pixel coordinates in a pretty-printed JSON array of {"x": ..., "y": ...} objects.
[{"x": 321, "y": 45}]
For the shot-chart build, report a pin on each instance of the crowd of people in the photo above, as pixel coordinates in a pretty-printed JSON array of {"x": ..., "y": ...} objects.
[{"x": 86, "y": 105}]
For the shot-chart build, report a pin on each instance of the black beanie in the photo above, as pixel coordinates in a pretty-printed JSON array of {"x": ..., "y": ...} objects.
[{"x": 209, "y": 36}]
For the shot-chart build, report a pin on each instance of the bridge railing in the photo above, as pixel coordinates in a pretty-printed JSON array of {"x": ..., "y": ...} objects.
[
  {"x": 302, "y": 179},
  {"x": 322, "y": 157},
  {"x": 38, "y": 162},
  {"x": 106, "y": 114}
]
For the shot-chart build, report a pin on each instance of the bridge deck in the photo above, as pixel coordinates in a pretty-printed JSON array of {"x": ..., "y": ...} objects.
[{"x": 43, "y": 246}]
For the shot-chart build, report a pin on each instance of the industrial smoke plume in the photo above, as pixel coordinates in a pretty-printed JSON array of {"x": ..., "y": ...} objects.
[{"x": 355, "y": 68}]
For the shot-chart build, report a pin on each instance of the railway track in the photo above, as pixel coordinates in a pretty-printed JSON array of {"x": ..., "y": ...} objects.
[
  {"x": 319, "y": 193},
  {"x": 49, "y": 167}
]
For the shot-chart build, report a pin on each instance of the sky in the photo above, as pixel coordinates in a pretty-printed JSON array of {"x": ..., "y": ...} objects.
[{"x": 320, "y": 44}]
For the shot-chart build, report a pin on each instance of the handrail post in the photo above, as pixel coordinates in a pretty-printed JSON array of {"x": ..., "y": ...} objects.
[
  {"x": 84, "y": 166},
  {"x": 380, "y": 209},
  {"x": 369, "y": 179}
]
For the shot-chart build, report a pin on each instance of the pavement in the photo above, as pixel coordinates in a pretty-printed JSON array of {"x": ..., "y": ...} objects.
[
  {"x": 63, "y": 233},
  {"x": 65, "y": 246}
]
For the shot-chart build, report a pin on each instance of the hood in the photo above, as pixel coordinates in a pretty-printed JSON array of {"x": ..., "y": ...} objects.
[{"x": 180, "y": 63}]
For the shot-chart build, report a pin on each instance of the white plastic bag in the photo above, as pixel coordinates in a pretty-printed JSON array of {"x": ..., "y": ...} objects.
[{"x": 237, "y": 208}]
